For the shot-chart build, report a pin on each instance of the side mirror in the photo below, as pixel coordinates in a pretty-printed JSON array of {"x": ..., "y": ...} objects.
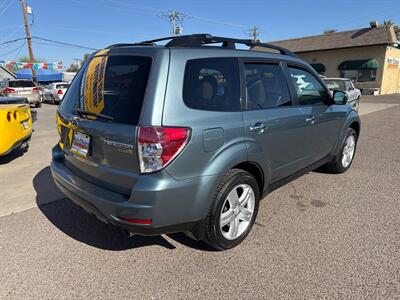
[{"x": 340, "y": 97}]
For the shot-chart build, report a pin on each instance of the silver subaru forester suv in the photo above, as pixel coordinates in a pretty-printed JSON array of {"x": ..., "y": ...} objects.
[{"x": 188, "y": 133}]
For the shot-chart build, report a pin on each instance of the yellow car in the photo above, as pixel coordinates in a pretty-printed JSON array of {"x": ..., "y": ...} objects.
[{"x": 15, "y": 124}]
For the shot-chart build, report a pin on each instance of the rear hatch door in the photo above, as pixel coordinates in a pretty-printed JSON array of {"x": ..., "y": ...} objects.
[{"x": 102, "y": 149}]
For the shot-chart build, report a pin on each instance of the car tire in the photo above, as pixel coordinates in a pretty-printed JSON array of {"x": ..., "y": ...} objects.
[
  {"x": 53, "y": 101},
  {"x": 235, "y": 203},
  {"x": 345, "y": 158},
  {"x": 39, "y": 104}
]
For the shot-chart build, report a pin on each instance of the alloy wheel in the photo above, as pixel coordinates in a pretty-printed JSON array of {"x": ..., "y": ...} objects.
[
  {"x": 237, "y": 211},
  {"x": 348, "y": 151}
]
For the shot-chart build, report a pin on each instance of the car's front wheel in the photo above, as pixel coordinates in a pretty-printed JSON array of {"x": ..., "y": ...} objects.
[
  {"x": 345, "y": 158},
  {"x": 234, "y": 210}
]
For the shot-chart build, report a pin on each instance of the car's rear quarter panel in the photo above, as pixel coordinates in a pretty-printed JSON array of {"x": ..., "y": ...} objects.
[{"x": 12, "y": 131}]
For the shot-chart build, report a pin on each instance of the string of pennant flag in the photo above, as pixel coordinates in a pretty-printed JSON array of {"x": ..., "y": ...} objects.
[{"x": 36, "y": 66}]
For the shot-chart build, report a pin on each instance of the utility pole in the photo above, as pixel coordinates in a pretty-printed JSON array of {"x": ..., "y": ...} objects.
[
  {"x": 176, "y": 19},
  {"x": 254, "y": 32},
  {"x": 29, "y": 40}
]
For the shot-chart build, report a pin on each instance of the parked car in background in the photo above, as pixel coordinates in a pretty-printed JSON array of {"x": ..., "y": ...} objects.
[
  {"x": 344, "y": 84},
  {"x": 15, "y": 124},
  {"x": 54, "y": 93},
  {"x": 21, "y": 88},
  {"x": 195, "y": 153}
]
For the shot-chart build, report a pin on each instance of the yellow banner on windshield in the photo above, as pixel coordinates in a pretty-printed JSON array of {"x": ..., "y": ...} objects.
[{"x": 94, "y": 83}]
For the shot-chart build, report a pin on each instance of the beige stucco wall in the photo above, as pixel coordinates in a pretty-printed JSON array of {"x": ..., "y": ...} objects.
[
  {"x": 332, "y": 59},
  {"x": 391, "y": 78}
]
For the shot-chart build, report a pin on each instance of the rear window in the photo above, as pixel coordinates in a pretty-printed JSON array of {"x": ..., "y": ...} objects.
[
  {"x": 212, "y": 84},
  {"x": 21, "y": 84},
  {"x": 115, "y": 86},
  {"x": 112, "y": 86},
  {"x": 62, "y": 86}
]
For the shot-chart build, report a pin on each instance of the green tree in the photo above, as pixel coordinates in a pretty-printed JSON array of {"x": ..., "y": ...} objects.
[
  {"x": 85, "y": 57},
  {"x": 26, "y": 59},
  {"x": 391, "y": 23},
  {"x": 73, "y": 68}
]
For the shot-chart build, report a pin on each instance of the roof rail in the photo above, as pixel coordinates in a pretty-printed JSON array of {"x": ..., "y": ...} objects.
[{"x": 198, "y": 40}]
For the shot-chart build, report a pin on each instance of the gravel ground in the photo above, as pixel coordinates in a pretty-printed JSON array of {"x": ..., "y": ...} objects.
[{"x": 322, "y": 235}]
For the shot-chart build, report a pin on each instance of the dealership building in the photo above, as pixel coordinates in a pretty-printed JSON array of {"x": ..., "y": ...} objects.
[{"x": 369, "y": 56}]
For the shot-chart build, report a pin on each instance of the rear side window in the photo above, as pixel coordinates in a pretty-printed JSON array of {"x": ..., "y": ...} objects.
[
  {"x": 71, "y": 98},
  {"x": 266, "y": 86},
  {"x": 21, "y": 84},
  {"x": 212, "y": 84},
  {"x": 115, "y": 86}
]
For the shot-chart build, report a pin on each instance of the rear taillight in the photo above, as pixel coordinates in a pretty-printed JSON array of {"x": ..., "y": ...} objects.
[
  {"x": 59, "y": 92},
  {"x": 158, "y": 146},
  {"x": 9, "y": 90},
  {"x": 36, "y": 90}
]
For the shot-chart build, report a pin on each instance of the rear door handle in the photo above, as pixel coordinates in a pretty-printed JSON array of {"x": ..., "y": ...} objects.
[
  {"x": 258, "y": 127},
  {"x": 311, "y": 120}
]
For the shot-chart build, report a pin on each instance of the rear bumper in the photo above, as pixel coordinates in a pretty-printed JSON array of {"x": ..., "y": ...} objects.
[
  {"x": 172, "y": 205},
  {"x": 18, "y": 144},
  {"x": 34, "y": 99}
]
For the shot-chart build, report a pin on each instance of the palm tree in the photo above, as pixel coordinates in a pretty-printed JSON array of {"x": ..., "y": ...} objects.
[{"x": 390, "y": 23}]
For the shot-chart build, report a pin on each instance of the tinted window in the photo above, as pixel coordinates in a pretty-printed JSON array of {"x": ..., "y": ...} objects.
[
  {"x": 212, "y": 84},
  {"x": 309, "y": 90},
  {"x": 115, "y": 86},
  {"x": 266, "y": 86},
  {"x": 21, "y": 84}
]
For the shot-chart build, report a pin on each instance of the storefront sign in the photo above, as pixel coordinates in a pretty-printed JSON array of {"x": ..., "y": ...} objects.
[{"x": 393, "y": 63}]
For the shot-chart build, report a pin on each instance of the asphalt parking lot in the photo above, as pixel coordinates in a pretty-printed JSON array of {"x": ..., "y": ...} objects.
[{"x": 322, "y": 235}]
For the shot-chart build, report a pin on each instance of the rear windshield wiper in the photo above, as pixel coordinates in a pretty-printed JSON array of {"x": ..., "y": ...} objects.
[{"x": 90, "y": 113}]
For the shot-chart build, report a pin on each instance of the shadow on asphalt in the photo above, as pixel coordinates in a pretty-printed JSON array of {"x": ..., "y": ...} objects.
[
  {"x": 13, "y": 155},
  {"x": 79, "y": 225}
]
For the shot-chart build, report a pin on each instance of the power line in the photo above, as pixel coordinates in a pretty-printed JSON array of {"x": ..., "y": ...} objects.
[
  {"x": 19, "y": 51},
  {"x": 6, "y": 7},
  {"x": 63, "y": 43},
  {"x": 49, "y": 40},
  {"x": 12, "y": 41},
  {"x": 13, "y": 50},
  {"x": 156, "y": 11}
]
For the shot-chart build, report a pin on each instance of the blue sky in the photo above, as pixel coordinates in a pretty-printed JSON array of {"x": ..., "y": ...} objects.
[{"x": 98, "y": 23}]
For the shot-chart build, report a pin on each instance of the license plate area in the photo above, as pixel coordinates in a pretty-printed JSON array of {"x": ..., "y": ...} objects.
[
  {"x": 25, "y": 125},
  {"x": 80, "y": 144}
]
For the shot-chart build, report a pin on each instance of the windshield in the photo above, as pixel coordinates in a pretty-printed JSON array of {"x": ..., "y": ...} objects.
[
  {"x": 21, "y": 84},
  {"x": 335, "y": 84}
]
